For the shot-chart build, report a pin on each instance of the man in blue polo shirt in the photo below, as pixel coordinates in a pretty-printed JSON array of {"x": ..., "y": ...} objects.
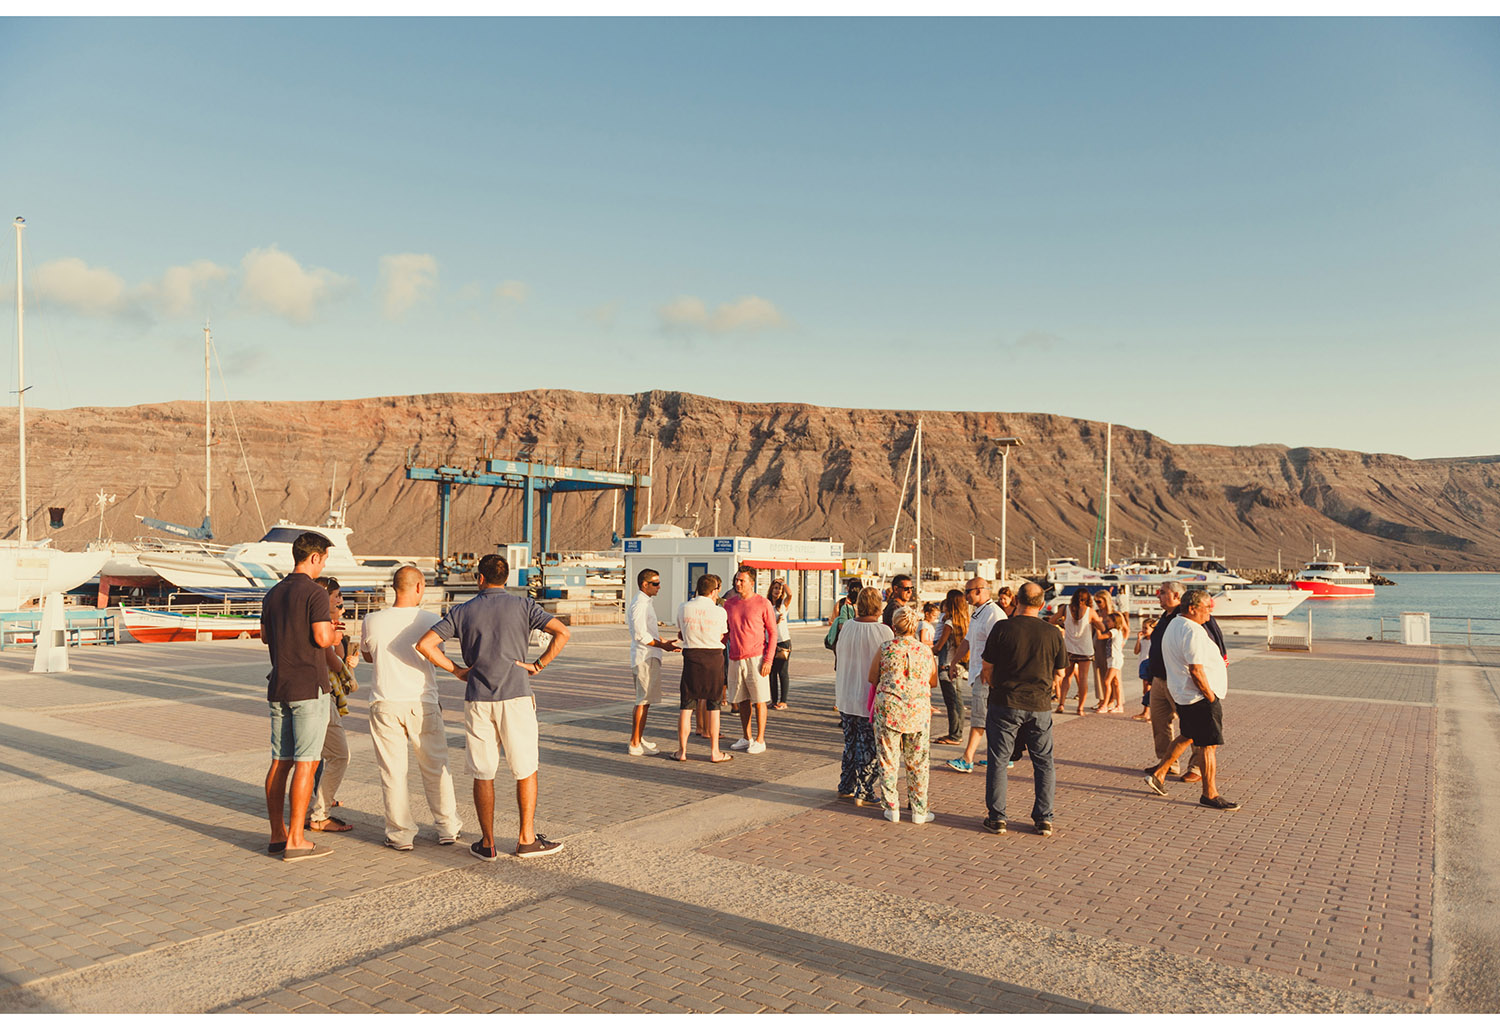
[{"x": 494, "y": 632}]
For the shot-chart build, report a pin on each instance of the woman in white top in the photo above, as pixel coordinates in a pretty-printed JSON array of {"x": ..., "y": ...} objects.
[
  {"x": 859, "y": 641},
  {"x": 1104, "y": 607},
  {"x": 1079, "y": 622},
  {"x": 780, "y": 596}
]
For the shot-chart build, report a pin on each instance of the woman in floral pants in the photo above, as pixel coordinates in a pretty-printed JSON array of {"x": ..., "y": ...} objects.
[{"x": 904, "y": 672}]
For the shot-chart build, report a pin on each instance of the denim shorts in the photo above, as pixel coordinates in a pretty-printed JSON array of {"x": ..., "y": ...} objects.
[{"x": 298, "y": 728}]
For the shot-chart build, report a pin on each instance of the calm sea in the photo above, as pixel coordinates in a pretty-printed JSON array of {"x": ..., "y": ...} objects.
[{"x": 1450, "y": 598}]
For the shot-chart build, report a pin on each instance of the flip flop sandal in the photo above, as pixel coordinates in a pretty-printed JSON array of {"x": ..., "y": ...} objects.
[
  {"x": 331, "y": 825},
  {"x": 722, "y": 758}
]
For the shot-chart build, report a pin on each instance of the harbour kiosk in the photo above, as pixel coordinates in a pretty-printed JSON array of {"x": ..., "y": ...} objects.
[{"x": 810, "y": 567}]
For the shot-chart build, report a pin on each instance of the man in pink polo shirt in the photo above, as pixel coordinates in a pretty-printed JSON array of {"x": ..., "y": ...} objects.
[{"x": 752, "y": 647}]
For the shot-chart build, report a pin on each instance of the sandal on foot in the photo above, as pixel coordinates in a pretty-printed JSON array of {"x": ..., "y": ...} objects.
[
  {"x": 330, "y": 825},
  {"x": 721, "y": 758}
]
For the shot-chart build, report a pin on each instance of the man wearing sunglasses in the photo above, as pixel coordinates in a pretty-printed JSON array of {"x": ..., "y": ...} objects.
[
  {"x": 646, "y": 649},
  {"x": 984, "y": 614},
  {"x": 902, "y": 595}
]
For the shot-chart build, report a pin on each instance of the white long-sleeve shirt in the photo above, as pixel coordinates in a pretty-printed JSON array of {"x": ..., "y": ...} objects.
[{"x": 643, "y": 629}]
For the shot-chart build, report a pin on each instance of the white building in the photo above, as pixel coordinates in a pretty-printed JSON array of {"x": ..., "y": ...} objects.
[{"x": 812, "y": 568}]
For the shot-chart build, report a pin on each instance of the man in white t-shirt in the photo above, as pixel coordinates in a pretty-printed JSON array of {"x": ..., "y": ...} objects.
[
  {"x": 983, "y": 617},
  {"x": 1197, "y": 677},
  {"x": 404, "y": 706},
  {"x": 646, "y": 648}
]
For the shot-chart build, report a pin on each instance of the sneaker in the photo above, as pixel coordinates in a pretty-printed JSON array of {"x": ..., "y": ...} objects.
[
  {"x": 981, "y": 763},
  {"x": 740, "y": 745},
  {"x": 1156, "y": 785},
  {"x": 448, "y": 840},
  {"x": 484, "y": 854},
  {"x": 994, "y": 825},
  {"x": 1044, "y": 828},
  {"x": 1220, "y": 802},
  {"x": 959, "y": 765},
  {"x": 925, "y": 817},
  {"x": 537, "y": 848},
  {"x": 635, "y": 750},
  {"x": 893, "y": 815},
  {"x": 1010, "y": 765},
  {"x": 311, "y": 851},
  {"x": 756, "y": 747},
  {"x": 650, "y": 747},
  {"x": 397, "y": 847}
]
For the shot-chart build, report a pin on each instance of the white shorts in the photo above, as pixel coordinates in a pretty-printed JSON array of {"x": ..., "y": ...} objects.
[
  {"x": 746, "y": 683},
  {"x": 492, "y": 725},
  {"x": 647, "y": 676}
]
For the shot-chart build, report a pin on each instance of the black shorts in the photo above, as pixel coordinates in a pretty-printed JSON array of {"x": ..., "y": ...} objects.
[
  {"x": 702, "y": 676},
  {"x": 1202, "y": 722}
]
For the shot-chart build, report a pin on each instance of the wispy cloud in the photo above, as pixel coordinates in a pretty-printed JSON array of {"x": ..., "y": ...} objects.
[
  {"x": 513, "y": 290},
  {"x": 405, "y": 279},
  {"x": 274, "y": 281},
  {"x": 71, "y": 284},
  {"x": 179, "y": 291},
  {"x": 749, "y": 313}
]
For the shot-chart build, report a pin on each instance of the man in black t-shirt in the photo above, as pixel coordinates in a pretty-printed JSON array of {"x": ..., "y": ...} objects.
[
  {"x": 296, "y": 624},
  {"x": 1023, "y": 659},
  {"x": 901, "y": 596}
]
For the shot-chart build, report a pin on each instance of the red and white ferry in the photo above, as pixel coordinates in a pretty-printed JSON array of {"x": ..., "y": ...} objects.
[{"x": 1329, "y": 579}]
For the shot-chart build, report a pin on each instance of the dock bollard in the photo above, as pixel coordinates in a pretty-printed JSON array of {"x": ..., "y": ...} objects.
[{"x": 52, "y": 637}]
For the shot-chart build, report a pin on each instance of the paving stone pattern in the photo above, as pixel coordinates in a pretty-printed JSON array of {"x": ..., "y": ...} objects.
[
  {"x": 608, "y": 949},
  {"x": 1324, "y": 874},
  {"x": 1411, "y": 684}
]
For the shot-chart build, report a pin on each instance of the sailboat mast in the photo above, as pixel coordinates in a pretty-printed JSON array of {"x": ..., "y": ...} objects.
[
  {"x": 208, "y": 434},
  {"x": 917, "y": 571},
  {"x": 1109, "y": 437},
  {"x": 614, "y": 495},
  {"x": 21, "y": 373}
]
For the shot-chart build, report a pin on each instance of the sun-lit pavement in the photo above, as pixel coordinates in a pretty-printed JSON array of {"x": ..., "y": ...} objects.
[{"x": 137, "y": 880}]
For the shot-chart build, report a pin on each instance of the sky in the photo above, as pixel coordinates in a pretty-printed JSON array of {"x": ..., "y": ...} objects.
[{"x": 1230, "y": 231}]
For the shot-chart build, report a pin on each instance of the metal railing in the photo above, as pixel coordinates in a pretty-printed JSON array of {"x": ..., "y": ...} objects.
[{"x": 1488, "y": 633}]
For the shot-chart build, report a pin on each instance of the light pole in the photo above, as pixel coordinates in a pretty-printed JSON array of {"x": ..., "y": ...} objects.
[{"x": 1005, "y": 443}]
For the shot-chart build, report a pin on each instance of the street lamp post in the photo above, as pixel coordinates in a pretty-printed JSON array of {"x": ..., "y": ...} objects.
[{"x": 1005, "y": 443}]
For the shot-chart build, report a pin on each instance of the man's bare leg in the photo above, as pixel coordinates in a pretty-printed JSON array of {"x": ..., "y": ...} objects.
[
  {"x": 484, "y": 808},
  {"x": 760, "y": 722},
  {"x": 638, "y": 724},
  {"x": 713, "y": 734},
  {"x": 1179, "y": 745},
  {"x": 702, "y": 723},
  {"x": 972, "y": 747},
  {"x": 1211, "y": 771},
  {"x": 745, "y": 710},
  {"x": 526, "y": 808},
  {"x": 276, "y": 777},
  {"x": 684, "y": 721},
  {"x": 303, "y": 774}
]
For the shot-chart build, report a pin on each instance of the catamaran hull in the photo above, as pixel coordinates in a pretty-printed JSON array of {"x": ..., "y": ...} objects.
[
  {"x": 210, "y": 572},
  {"x": 28, "y": 572}
]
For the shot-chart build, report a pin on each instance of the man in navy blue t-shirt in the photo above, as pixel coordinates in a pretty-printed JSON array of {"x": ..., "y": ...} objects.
[{"x": 494, "y": 633}]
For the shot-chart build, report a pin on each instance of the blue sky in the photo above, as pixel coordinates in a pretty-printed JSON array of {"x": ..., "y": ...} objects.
[{"x": 1225, "y": 231}]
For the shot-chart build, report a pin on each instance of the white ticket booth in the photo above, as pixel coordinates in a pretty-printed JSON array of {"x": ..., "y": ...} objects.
[{"x": 811, "y": 568}]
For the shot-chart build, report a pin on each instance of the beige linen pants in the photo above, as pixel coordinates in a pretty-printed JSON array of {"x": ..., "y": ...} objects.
[
  {"x": 335, "y": 762},
  {"x": 392, "y": 724}
]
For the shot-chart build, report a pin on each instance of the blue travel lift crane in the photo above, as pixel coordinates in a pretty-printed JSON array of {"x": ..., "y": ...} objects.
[{"x": 539, "y": 481}]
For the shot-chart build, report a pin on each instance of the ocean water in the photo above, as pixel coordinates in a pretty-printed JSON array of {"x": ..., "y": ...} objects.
[{"x": 1451, "y": 598}]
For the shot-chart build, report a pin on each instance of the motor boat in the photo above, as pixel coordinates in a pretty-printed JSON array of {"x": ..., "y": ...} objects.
[{"x": 1327, "y": 579}]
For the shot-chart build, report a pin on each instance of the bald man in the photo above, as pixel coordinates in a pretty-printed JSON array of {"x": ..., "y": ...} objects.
[{"x": 404, "y": 706}]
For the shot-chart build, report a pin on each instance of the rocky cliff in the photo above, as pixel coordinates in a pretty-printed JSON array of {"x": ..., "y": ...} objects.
[{"x": 775, "y": 470}]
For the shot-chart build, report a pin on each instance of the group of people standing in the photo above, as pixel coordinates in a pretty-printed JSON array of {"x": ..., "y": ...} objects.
[{"x": 311, "y": 657}]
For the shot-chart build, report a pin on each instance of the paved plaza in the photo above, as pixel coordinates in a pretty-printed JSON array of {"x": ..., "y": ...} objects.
[{"x": 1358, "y": 877}]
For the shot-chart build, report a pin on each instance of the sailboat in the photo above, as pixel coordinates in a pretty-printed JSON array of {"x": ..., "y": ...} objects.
[{"x": 32, "y": 569}]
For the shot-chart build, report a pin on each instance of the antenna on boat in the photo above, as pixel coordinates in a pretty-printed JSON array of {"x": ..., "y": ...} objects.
[{"x": 21, "y": 374}]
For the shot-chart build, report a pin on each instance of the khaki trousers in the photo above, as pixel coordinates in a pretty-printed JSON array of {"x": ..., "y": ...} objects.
[
  {"x": 1164, "y": 727},
  {"x": 335, "y": 762},
  {"x": 392, "y": 724}
]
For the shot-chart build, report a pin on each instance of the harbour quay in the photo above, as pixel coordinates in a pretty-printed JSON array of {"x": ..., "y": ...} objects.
[{"x": 1357, "y": 877}]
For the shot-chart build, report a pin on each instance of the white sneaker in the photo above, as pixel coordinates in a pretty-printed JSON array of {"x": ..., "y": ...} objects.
[
  {"x": 757, "y": 747},
  {"x": 925, "y": 817},
  {"x": 740, "y": 745},
  {"x": 893, "y": 815},
  {"x": 648, "y": 746},
  {"x": 636, "y": 749}
]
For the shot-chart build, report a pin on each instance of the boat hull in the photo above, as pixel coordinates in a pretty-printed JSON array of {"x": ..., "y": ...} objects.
[
  {"x": 1322, "y": 590},
  {"x": 152, "y": 626}
]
